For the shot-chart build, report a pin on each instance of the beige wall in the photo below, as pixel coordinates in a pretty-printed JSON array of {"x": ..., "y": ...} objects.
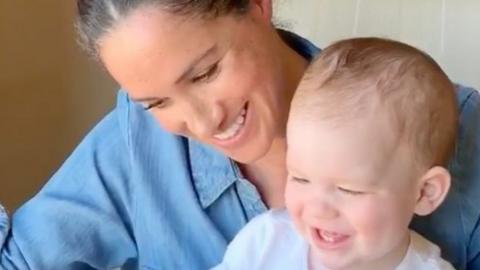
[
  {"x": 50, "y": 94},
  {"x": 447, "y": 29}
]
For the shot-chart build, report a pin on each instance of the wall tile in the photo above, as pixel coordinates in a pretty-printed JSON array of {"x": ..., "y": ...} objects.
[
  {"x": 323, "y": 21},
  {"x": 462, "y": 41},
  {"x": 449, "y": 30}
]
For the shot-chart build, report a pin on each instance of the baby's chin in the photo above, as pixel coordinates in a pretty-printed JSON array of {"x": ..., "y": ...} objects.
[
  {"x": 318, "y": 260},
  {"x": 316, "y": 264}
]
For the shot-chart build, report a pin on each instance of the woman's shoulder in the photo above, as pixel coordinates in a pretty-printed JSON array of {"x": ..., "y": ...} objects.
[
  {"x": 465, "y": 164},
  {"x": 466, "y": 94},
  {"x": 124, "y": 135},
  {"x": 455, "y": 225},
  {"x": 126, "y": 126},
  {"x": 118, "y": 153},
  {"x": 465, "y": 168},
  {"x": 129, "y": 136}
]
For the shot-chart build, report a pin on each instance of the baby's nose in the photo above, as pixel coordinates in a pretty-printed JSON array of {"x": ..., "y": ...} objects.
[{"x": 321, "y": 209}]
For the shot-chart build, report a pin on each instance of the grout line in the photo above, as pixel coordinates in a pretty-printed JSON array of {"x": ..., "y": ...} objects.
[
  {"x": 443, "y": 26},
  {"x": 356, "y": 18}
]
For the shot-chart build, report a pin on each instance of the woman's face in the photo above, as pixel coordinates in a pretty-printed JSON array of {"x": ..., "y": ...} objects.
[{"x": 218, "y": 81}]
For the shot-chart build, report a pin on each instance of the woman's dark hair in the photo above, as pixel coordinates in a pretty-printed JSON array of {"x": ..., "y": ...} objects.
[{"x": 96, "y": 17}]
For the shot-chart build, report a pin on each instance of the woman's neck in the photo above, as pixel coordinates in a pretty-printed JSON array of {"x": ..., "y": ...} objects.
[
  {"x": 269, "y": 173},
  {"x": 294, "y": 66}
]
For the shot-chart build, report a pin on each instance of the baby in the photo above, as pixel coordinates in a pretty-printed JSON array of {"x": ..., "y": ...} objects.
[{"x": 371, "y": 128}]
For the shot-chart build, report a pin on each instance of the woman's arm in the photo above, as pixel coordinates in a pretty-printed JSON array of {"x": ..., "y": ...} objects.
[
  {"x": 4, "y": 225},
  {"x": 81, "y": 219}
]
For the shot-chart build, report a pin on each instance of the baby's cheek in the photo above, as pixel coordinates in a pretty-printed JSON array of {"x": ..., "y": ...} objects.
[
  {"x": 292, "y": 198},
  {"x": 294, "y": 206},
  {"x": 380, "y": 228},
  {"x": 369, "y": 220}
]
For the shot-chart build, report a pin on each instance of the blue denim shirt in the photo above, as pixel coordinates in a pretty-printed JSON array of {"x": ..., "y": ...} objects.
[{"x": 134, "y": 196}]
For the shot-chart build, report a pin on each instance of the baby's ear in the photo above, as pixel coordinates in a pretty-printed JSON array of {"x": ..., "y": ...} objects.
[{"x": 433, "y": 188}]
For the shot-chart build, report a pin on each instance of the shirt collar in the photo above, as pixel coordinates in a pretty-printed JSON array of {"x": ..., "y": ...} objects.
[
  {"x": 300, "y": 44},
  {"x": 212, "y": 171}
]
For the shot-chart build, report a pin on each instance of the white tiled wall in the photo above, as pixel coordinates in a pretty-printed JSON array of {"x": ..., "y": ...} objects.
[{"x": 447, "y": 29}]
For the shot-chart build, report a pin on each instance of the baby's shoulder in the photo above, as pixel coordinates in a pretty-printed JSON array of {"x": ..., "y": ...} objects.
[
  {"x": 269, "y": 226},
  {"x": 423, "y": 254},
  {"x": 274, "y": 219}
]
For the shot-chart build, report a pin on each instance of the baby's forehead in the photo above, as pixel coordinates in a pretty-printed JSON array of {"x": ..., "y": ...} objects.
[
  {"x": 376, "y": 120},
  {"x": 367, "y": 145},
  {"x": 351, "y": 79}
]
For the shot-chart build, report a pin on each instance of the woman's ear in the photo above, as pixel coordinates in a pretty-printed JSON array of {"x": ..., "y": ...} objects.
[
  {"x": 264, "y": 7},
  {"x": 433, "y": 188}
]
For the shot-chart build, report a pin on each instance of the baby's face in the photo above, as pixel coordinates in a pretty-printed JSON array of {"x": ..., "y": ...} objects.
[{"x": 351, "y": 190}]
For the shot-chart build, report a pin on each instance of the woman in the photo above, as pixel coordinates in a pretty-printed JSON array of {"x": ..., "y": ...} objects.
[{"x": 195, "y": 147}]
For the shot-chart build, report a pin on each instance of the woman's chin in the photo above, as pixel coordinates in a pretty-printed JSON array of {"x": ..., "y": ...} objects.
[{"x": 248, "y": 155}]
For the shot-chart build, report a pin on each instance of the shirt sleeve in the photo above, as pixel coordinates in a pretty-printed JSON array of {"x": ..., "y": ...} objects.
[
  {"x": 4, "y": 225},
  {"x": 82, "y": 218},
  {"x": 470, "y": 125},
  {"x": 474, "y": 260}
]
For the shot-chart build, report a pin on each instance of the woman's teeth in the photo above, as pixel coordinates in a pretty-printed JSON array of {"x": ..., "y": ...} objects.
[{"x": 234, "y": 128}]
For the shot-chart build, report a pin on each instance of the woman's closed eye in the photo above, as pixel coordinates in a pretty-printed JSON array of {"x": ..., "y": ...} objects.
[
  {"x": 207, "y": 75},
  {"x": 161, "y": 103}
]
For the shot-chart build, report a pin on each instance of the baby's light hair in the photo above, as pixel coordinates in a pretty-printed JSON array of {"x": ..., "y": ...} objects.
[{"x": 355, "y": 78}]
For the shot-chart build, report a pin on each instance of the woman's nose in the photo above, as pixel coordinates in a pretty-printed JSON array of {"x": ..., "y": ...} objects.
[{"x": 204, "y": 120}]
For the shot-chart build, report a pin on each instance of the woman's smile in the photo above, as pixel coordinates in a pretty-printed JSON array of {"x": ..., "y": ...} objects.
[{"x": 233, "y": 134}]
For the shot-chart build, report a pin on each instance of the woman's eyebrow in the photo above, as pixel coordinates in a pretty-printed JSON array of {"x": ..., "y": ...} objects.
[{"x": 195, "y": 62}]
